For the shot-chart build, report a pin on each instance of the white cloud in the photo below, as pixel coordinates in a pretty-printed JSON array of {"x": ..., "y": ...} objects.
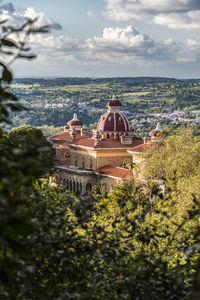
[
  {"x": 18, "y": 16},
  {"x": 180, "y": 14},
  {"x": 116, "y": 45},
  {"x": 124, "y": 45},
  {"x": 115, "y": 52}
]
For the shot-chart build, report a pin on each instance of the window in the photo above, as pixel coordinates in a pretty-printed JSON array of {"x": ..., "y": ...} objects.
[
  {"x": 67, "y": 154},
  {"x": 83, "y": 163},
  {"x": 75, "y": 161},
  {"x": 91, "y": 164}
]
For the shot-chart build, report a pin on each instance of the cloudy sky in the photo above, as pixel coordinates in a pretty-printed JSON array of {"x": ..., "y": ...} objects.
[{"x": 111, "y": 38}]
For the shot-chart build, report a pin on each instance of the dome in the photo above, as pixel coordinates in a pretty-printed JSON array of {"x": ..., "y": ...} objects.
[
  {"x": 157, "y": 131},
  {"x": 113, "y": 102},
  {"x": 113, "y": 120},
  {"x": 75, "y": 121}
]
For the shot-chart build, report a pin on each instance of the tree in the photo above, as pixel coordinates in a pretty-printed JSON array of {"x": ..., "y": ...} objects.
[
  {"x": 133, "y": 167},
  {"x": 53, "y": 245},
  {"x": 15, "y": 165}
]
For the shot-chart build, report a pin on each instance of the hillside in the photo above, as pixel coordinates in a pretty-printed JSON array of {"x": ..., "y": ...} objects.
[{"x": 145, "y": 100}]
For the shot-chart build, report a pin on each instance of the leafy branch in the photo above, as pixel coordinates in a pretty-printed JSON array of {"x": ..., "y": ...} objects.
[{"x": 13, "y": 46}]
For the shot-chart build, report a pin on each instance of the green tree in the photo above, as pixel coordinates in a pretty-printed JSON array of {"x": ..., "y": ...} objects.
[{"x": 15, "y": 165}]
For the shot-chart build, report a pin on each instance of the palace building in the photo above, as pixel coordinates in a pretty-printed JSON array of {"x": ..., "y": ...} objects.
[{"x": 100, "y": 157}]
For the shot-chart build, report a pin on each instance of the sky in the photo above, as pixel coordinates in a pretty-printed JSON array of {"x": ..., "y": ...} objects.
[{"x": 110, "y": 38}]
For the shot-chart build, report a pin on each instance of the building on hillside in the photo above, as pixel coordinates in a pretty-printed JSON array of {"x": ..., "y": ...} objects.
[{"x": 100, "y": 157}]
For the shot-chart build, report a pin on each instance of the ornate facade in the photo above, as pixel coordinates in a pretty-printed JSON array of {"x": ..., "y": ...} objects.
[{"x": 99, "y": 157}]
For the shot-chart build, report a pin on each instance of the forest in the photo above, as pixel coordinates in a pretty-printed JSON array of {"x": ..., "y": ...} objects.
[{"x": 134, "y": 243}]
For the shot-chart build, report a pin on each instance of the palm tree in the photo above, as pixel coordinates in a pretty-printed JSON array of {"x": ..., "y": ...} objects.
[
  {"x": 153, "y": 191},
  {"x": 132, "y": 166}
]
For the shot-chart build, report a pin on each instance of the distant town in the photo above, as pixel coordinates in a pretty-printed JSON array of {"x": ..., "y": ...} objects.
[{"x": 145, "y": 101}]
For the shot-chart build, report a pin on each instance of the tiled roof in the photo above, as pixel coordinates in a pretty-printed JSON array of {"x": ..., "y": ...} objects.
[
  {"x": 82, "y": 141},
  {"x": 118, "y": 144},
  {"x": 66, "y": 135},
  {"x": 88, "y": 141},
  {"x": 62, "y": 135},
  {"x": 109, "y": 144},
  {"x": 140, "y": 148},
  {"x": 113, "y": 171}
]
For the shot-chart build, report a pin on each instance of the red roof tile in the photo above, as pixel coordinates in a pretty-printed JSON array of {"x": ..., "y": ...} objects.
[
  {"x": 113, "y": 171},
  {"x": 83, "y": 141},
  {"x": 88, "y": 141},
  {"x": 62, "y": 136},
  {"x": 118, "y": 144},
  {"x": 109, "y": 144},
  {"x": 66, "y": 135},
  {"x": 139, "y": 148}
]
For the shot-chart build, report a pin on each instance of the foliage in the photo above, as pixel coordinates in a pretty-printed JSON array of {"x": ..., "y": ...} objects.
[
  {"x": 18, "y": 166},
  {"x": 136, "y": 255},
  {"x": 54, "y": 246}
]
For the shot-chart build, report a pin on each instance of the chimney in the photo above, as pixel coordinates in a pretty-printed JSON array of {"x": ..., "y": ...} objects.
[
  {"x": 73, "y": 134},
  {"x": 97, "y": 138},
  {"x": 126, "y": 140}
]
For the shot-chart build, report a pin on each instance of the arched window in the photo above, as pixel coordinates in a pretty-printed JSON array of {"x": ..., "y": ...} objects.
[
  {"x": 66, "y": 154},
  {"x": 75, "y": 161},
  {"x": 117, "y": 136},
  {"x": 88, "y": 188},
  {"x": 83, "y": 163},
  {"x": 112, "y": 136},
  {"x": 77, "y": 186},
  {"x": 107, "y": 136},
  {"x": 91, "y": 164},
  {"x": 74, "y": 186}
]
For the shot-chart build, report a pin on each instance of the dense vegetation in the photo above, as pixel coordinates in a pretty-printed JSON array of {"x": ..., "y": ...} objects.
[{"x": 134, "y": 243}]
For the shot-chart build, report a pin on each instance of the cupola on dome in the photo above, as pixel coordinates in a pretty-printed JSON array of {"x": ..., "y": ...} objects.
[
  {"x": 157, "y": 131},
  {"x": 75, "y": 121},
  {"x": 113, "y": 102},
  {"x": 113, "y": 120}
]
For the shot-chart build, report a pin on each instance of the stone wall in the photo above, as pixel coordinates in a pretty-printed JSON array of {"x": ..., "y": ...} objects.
[
  {"x": 83, "y": 159},
  {"x": 113, "y": 158}
]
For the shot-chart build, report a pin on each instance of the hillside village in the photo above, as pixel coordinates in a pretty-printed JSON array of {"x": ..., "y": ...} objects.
[{"x": 146, "y": 101}]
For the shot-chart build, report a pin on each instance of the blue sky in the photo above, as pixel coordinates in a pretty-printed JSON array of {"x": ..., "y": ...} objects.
[{"x": 111, "y": 38}]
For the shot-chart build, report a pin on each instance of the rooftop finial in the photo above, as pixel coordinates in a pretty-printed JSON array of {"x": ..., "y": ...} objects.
[
  {"x": 75, "y": 117},
  {"x": 113, "y": 98},
  {"x": 158, "y": 126}
]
